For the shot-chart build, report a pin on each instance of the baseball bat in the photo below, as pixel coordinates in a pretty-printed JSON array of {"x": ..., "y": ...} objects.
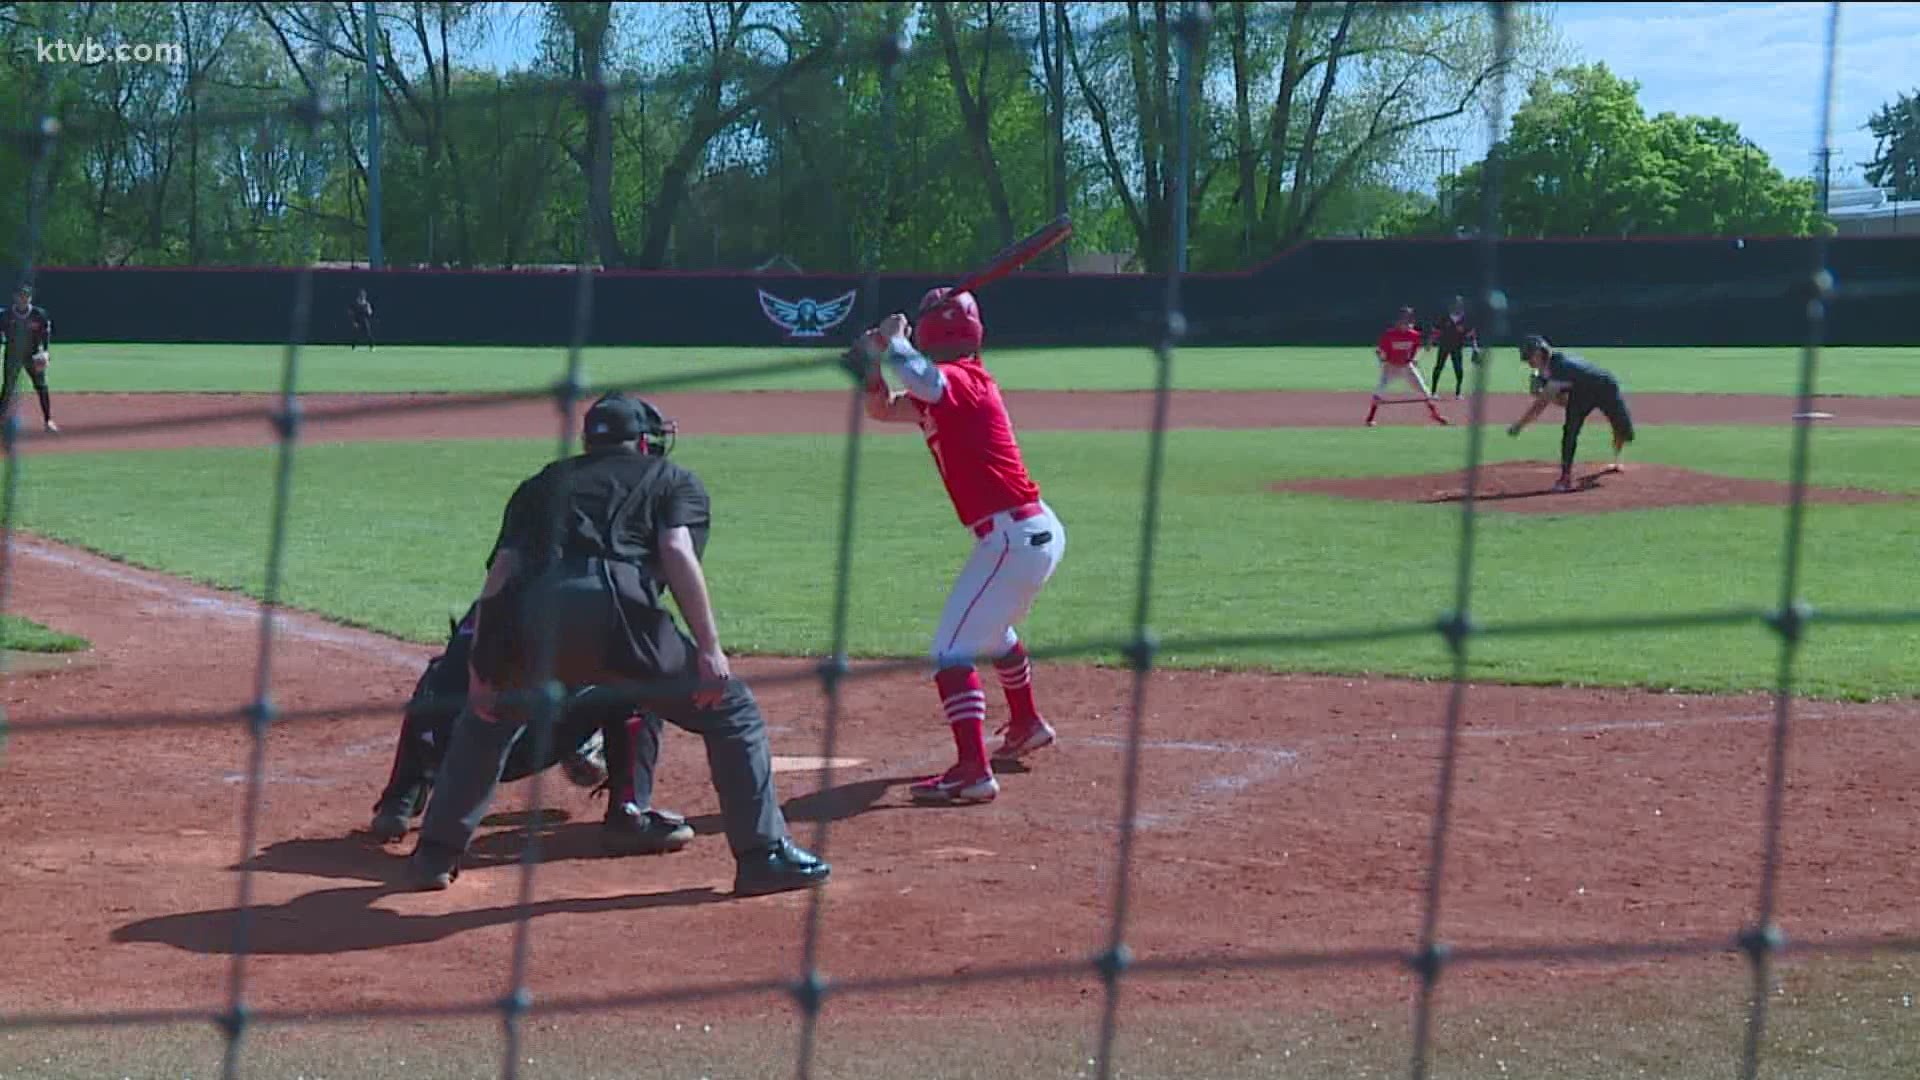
[{"x": 1018, "y": 254}]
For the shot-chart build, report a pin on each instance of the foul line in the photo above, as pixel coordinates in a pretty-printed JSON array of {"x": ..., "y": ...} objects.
[{"x": 206, "y": 601}]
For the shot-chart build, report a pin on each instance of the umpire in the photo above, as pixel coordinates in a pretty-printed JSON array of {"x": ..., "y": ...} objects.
[
  {"x": 1566, "y": 379},
  {"x": 573, "y": 593}
]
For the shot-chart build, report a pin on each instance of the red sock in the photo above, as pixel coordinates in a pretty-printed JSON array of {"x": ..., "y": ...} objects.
[
  {"x": 1016, "y": 678},
  {"x": 965, "y": 704},
  {"x": 1373, "y": 409}
]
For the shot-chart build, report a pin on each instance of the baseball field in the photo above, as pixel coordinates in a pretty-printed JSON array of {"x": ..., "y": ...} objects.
[{"x": 1610, "y": 785}]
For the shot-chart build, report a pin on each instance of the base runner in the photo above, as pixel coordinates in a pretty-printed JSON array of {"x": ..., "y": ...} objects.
[
  {"x": 1399, "y": 350},
  {"x": 1566, "y": 379},
  {"x": 1018, "y": 541}
]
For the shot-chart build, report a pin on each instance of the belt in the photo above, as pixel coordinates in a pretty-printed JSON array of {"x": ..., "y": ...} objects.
[{"x": 984, "y": 527}]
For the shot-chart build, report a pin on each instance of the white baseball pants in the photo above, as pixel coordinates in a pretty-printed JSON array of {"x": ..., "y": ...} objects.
[
  {"x": 997, "y": 587},
  {"x": 1408, "y": 373}
]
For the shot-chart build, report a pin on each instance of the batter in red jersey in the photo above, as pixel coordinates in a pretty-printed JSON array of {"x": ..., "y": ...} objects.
[
  {"x": 1017, "y": 540},
  {"x": 1398, "y": 348}
]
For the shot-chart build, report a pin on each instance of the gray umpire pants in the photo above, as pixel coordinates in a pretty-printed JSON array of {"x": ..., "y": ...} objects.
[{"x": 588, "y": 648}]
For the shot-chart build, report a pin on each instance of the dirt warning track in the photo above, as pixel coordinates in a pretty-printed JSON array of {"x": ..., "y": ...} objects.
[{"x": 161, "y": 421}]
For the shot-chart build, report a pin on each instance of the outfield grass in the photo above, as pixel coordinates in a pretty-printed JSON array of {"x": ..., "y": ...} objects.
[
  {"x": 25, "y": 635},
  {"x": 1233, "y": 559},
  {"x": 333, "y": 369}
]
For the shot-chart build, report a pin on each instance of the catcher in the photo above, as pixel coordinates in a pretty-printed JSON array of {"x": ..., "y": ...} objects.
[
  {"x": 1565, "y": 379},
  {"x": 27, "y": 332},
  {"x": 597, "y": 743}
]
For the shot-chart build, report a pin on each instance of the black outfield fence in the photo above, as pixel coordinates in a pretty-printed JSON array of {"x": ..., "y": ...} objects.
[{"x": 1585, "y": 293}]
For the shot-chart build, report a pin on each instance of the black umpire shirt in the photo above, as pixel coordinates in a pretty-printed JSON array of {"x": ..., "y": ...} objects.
[{"x": 609, "y": 504}]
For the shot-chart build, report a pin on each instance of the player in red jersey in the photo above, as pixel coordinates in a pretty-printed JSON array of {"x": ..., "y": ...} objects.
[
  {"x": 1018, "y": 540},
  {"x": 1397, "y": 349}
]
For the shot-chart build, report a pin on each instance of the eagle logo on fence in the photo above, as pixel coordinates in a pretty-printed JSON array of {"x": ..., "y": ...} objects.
[{"x": 807, "y": 318}]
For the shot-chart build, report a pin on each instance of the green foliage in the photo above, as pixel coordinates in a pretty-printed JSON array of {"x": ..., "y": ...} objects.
[
  {"x": 1896, "y": 162},
  {"x": 1582, "y": 159},
  {"x": 747, "y": 132}
]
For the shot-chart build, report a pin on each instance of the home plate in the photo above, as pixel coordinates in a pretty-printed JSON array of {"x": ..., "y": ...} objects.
[{"x": 801, "y": 763}]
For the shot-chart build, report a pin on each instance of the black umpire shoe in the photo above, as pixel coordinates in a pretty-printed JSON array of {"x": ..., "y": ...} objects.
[
  {"x": 778, "y": 868},
  {"x": 397, "y": 808},
  {"x": 390, "y": 825},
  {"x": 629, "y": 830},
  {"x": 431, "y": 867}
]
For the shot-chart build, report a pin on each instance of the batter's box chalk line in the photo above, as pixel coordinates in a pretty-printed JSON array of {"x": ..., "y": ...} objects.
[{"x": 1256, "y": 765}]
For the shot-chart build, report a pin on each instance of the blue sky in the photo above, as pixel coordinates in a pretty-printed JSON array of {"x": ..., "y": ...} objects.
[{"x": 1758, "y": 65}]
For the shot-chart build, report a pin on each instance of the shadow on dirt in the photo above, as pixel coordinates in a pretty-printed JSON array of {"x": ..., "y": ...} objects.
[
  {"x": 358, "y": 857},
  {"x": 346, "y": 920},
  {"x": 340, "y": 920}
]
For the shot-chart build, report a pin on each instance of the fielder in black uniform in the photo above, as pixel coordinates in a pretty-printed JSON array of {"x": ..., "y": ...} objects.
[
  {"x": 1565, "y": 379},
  {"x": 362, "y": 312},
  {"x": 584, "y": 550},
  {"x": 1450, "y": 337},
  {"x": 597, "y": 743},
  {"x": 28, "y": 333}
]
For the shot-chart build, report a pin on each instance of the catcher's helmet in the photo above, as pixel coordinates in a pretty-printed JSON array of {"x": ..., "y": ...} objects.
[
  {"x": 952, "y": 332},
  {"x": 617, "y": 418}
]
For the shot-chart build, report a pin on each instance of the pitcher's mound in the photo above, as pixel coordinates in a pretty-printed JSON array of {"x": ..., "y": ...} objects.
[{"x": 1525, "y": 487}]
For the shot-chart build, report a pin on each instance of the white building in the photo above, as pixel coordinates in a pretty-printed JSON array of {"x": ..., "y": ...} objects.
[{"x": 1872, "y": 212}]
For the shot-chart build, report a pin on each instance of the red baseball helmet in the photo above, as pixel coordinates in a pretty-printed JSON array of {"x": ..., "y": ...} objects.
[{"x": 952, "y": 332}]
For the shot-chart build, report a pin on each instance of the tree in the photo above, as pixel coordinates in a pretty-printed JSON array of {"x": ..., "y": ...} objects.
[
  {"x": 976, "y": 106},
  {"x": 1582, "y": 159},
  {"x": 1896, "y": 160}
]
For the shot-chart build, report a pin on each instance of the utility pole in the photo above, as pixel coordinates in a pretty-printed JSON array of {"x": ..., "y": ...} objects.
[
  {"x": 1442, "y": 189},
  {"x": 376, "y": 259},
  {"x": 1825, "y": 157}
]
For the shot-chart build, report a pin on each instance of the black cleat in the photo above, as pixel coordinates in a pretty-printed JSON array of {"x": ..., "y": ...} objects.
[
  {"x": 780, "y": 867},
  {"x": 431, "y": 867},
  {"x": 628, "y": 830},
  {"x": 394, "y": 813},
  {"x": 390, "y": 825}
]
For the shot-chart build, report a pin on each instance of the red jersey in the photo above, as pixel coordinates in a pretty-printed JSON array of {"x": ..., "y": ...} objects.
[
  {"x": 973, "y": 446},
  {"x": 1399, "y": 345}
]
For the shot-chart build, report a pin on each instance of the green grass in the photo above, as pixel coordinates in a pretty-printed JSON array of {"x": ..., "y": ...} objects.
[
  {"x": 333, "y": 368},
  {"x": 1676, "y": 1022},
  {"x": 1234, "y": 559},
  {"x": 24, "y": 635}
]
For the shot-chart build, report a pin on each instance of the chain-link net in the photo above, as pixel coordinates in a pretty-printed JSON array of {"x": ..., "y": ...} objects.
[{"x": 1760, "y": 941}]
